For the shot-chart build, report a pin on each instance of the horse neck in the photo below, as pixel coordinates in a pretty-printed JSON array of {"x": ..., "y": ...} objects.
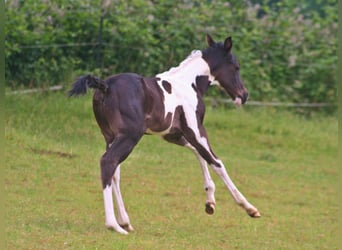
[{"x": 187, "y": 71}]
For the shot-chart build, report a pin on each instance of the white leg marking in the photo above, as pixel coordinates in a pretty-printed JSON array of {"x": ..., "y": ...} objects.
[
  {"x": 123, "y": 218},
  {"x": 221, "y": 171},
  {"x": 209, "y": 185},
  {"x": 238, "y": 197},
  {"x": 111, "y": 222}
]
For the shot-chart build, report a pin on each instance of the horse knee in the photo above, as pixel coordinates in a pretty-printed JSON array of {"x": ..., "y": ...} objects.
[{"x": 217, "y": 165}]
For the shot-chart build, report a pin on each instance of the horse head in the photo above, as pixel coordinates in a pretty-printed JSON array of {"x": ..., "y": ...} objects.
[{"x": 225, "y": 68}]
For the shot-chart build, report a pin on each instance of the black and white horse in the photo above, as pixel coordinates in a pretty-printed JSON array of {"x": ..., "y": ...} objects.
[{"x": 127, "y": 106}]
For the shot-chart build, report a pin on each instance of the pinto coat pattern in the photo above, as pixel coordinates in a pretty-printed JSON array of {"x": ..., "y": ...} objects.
[{"x": 127, "y": 106}]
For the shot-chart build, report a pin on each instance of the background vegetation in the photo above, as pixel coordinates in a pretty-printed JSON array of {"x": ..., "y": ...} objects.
[
  {"x": 287, "y": 49},
  {"x": 288, "y": 170}
]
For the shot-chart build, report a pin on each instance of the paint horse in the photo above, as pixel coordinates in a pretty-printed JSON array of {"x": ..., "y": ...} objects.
[{"x": 127, "y": 106}]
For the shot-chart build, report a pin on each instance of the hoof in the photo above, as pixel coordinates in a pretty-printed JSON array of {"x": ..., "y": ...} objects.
[
  {"x": 254, "y": 213},
  {"x": 210, "y": 208},
  {"x": 127, "y": 227},
  {"x": 117, "y": 229}
]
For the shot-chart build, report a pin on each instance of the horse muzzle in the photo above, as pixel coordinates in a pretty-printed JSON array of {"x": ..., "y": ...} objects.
[
  {"x": 239, "y": 100},
  {"x": 244, "y": 97}
]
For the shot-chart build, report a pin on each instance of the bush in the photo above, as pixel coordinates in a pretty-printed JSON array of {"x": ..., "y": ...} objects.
[{"x": 287, "y": 49}]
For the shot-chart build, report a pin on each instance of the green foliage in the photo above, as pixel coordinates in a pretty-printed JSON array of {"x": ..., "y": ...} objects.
[{"x": 287, "y": 49}]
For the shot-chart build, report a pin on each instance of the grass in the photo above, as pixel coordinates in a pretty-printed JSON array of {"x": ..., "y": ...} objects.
[{"x": 284, "y": 164}]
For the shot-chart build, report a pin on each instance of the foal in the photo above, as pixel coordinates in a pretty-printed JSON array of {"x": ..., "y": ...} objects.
[{"x": 127, "y": 106}]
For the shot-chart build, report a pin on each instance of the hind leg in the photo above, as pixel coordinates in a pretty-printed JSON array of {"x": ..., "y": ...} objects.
[
  {"x": 123, "y": 218},
  {"x": 115, "y": 154},
  {"x": 111, "y": 222}
]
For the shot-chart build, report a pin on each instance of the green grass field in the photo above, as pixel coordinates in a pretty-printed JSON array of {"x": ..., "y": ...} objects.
[{"x": 285, "y": 164}]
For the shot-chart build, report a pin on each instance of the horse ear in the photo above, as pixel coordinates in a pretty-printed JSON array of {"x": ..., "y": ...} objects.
[
  {"x": 228, "y": 43},
  {"x": 210, "y": 41}
]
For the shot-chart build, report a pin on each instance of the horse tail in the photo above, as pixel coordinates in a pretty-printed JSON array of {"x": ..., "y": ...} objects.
[{"x": 84, "y": 82}]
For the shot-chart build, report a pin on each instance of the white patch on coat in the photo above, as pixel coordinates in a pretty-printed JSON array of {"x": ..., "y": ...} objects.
[{"x": 182, "y": 93}]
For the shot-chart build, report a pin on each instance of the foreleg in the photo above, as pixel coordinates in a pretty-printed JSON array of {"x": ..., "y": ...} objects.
[
  {"x": 209, "y": 185},
  {"x": 198, "y": 138},
  {"x": 236, "y": 194}
]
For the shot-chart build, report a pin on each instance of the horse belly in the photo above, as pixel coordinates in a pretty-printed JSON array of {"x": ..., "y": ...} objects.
[
  {"x": 161, "y": 133},
  {"x": 161, "y": 120},
  {"x": 161, "y": 125}
]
